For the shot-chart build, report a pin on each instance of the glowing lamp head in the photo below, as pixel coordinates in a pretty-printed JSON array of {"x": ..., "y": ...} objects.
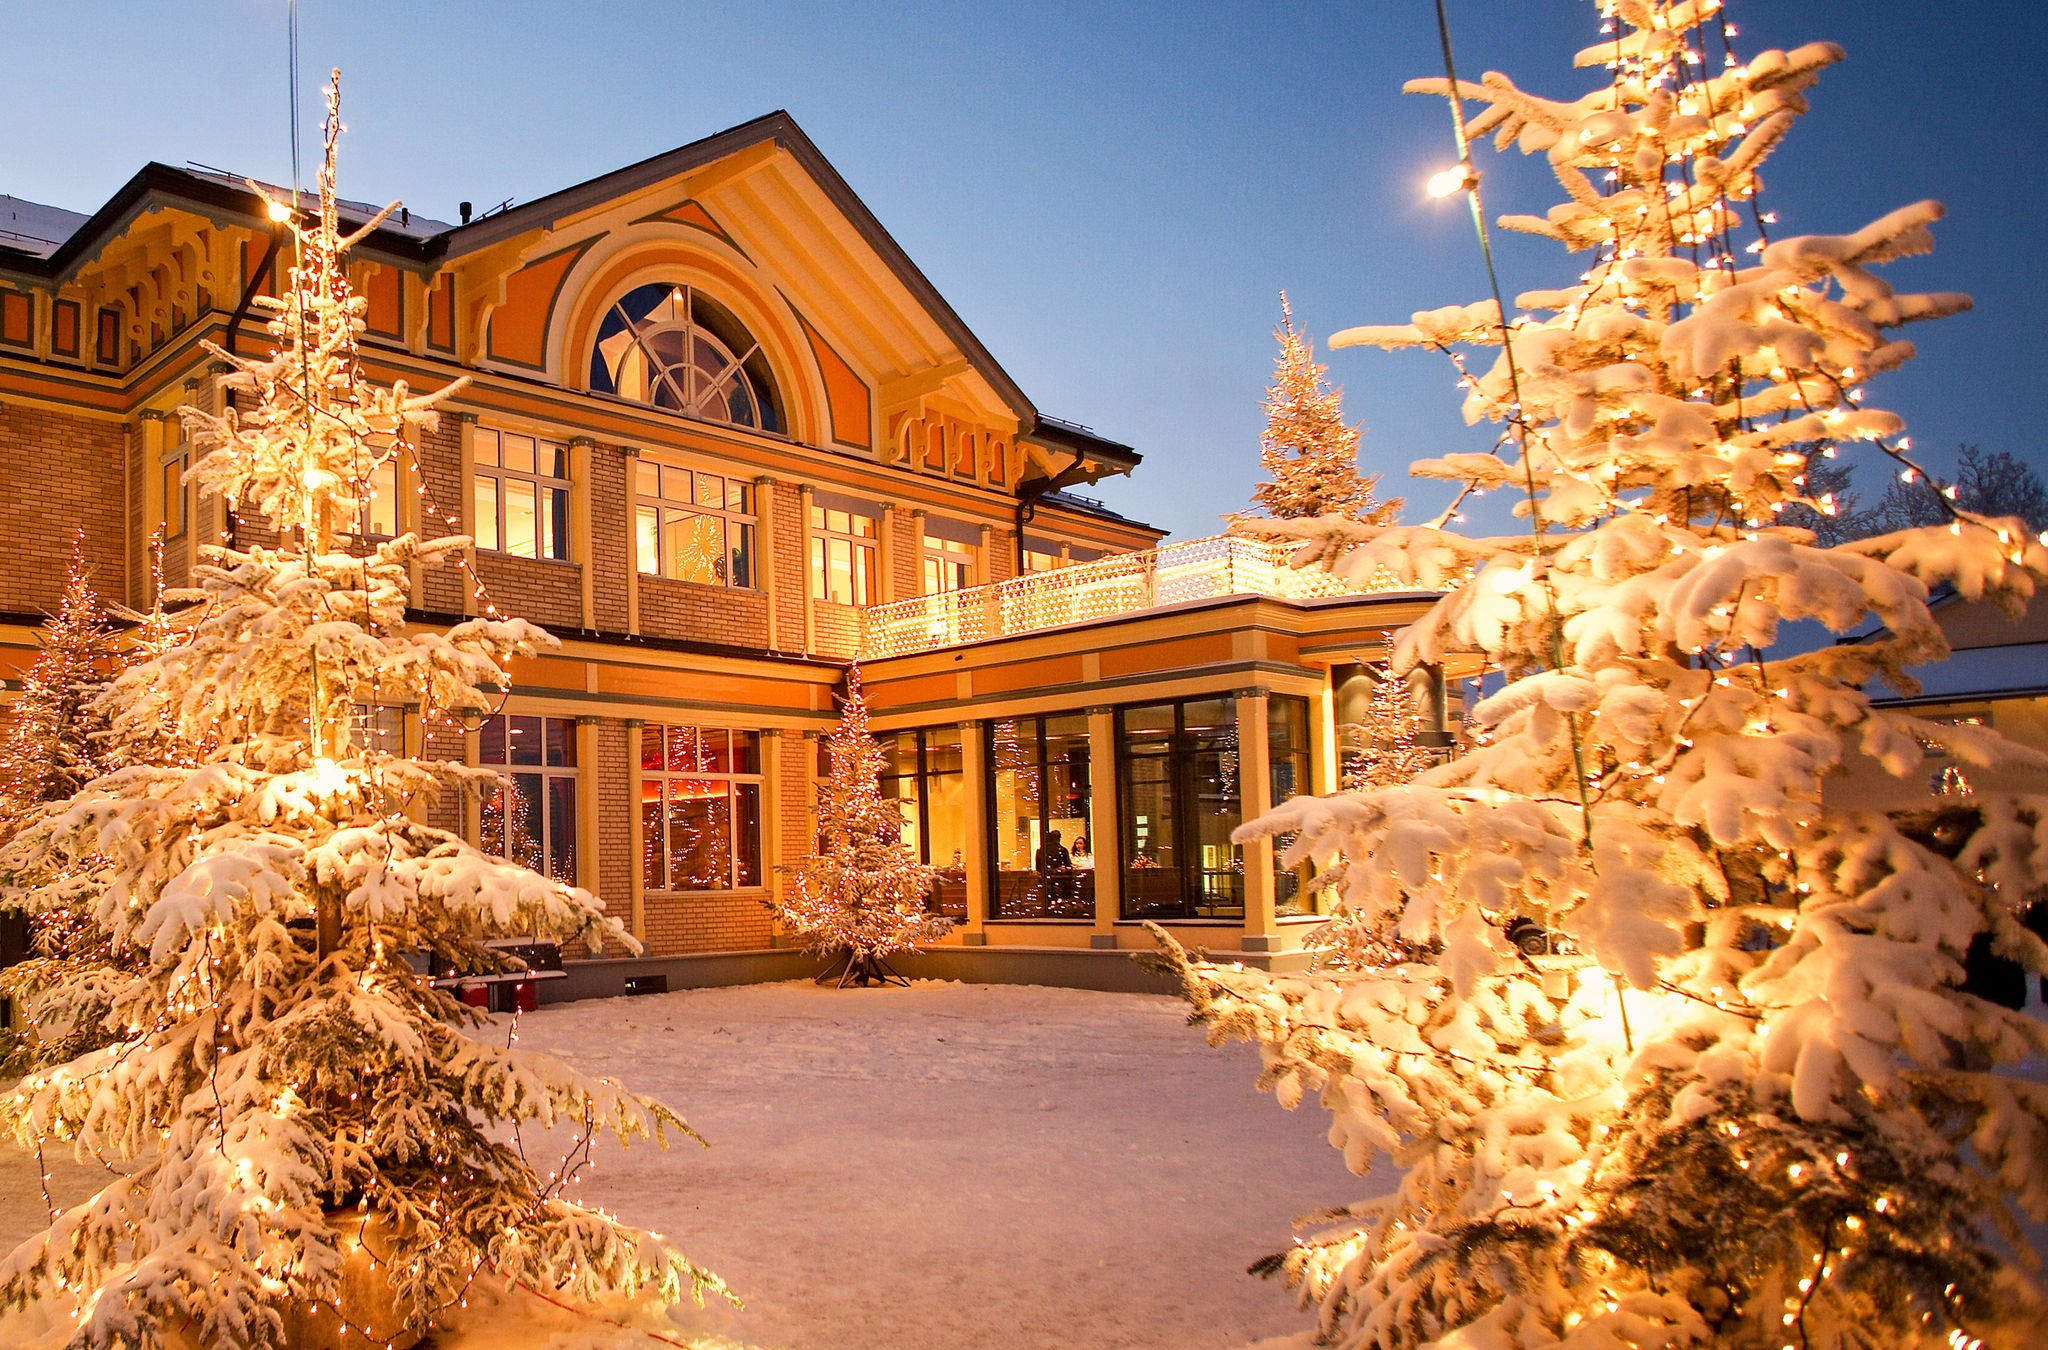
[
  {"x": 1460, "y": 177},
  {"x": 279, "y": 212}
]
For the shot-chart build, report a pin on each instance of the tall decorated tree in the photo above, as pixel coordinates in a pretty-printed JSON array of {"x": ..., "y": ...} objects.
[
  {"x": 1309, "y": 452},
  {"x": 55, "y": 741},
  {"x": 316, "y": 1148},
  {"x": 1754, "y": 1107},
  {"x": 859, "y": 896}
]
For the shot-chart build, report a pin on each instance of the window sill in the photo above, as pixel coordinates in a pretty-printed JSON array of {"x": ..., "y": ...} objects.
[
  {"x": 1178, "y": 923},
  {"x": 700, "y": 585},
  {"x": 521, "y": 557},
  {"x": 738, "y": 892},
  {"x": 1045, "y": 923}
]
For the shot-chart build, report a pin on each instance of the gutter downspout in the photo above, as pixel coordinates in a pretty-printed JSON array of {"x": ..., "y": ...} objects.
[{"x": 1027, "y": 503}]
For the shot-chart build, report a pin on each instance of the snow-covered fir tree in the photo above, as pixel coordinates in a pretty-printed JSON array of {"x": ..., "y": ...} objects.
[
  {"x": 1309, "y": 452},
  {"x": 860, "y": 895},
  {"x": 313, "y": 1147},
  {"x": 1385, "y": 747},
  {"x": 55, "y": 741},
  {"x": 1757, "y": 1109}
]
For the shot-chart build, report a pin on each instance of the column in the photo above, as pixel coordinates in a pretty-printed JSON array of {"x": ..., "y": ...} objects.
[
  {"x": 772, "y": 775},
  {"x": 412, "y": 744},
  {"x": 764, "y": 554},
  {"x": 409, "y": 514},
  {"x": 472, "y": 804},
  {"x": 917, "y": 519},
  {"x": 974, "y": 770},
  {"x": 984, "y": 563},
  {"x": 465, "y": 508},
  {"x": 582, "y": 547},
  {"x": 1323, "y": 738},
  {"x": 803, "y": 549},
  {"x": 1255, "y": 798},
  {"x": 589, "y": 781},
  {"x": 636, "y": 834},
  {"x": 631, "y": 581},
  {"x": 885, "y": 555},
  {"x": 1105, "y": 826}
]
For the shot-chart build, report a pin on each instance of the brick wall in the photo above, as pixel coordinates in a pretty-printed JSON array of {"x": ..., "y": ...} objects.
[
  {"x": 706, "y": 921},
  {"x": 610, "y": 472},
  {"x": 838, "y": 628},
  {"x": 59, "y": 473},
  {"x": 612, "y": 779},
  {"x": 547, "y": 592},
  {"x": 681, "y": 609},
  {"x": 444, "y": 741},
  {"x": 792, "y": 566},
  {"x": 440, "y": 458},
  {"x": 906, "y": 569}
]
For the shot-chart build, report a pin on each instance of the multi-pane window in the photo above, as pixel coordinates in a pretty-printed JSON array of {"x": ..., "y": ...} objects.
[
  {"x": 1040, "y": 559},
  {"x": 676, "y": 348},
  {"x": 1288, "y": 759},
  {"x": 176, "y": 458},
  {"x": 531, "y": 819},
  {"x": 379, "y": 727},
  {"x": 694, "y": 526},
  {"x": 700, "y": 808},
  {"x": 520, "y": 495},
  {"x": 843, "y": 548},
  {"x": 1178, "y": 791},
  {"x": 1041, "y": 794},
  {"x": 948, "y": 565},
  {"x": 378, "y": 518},
  {"x": 923, "y": 773}
]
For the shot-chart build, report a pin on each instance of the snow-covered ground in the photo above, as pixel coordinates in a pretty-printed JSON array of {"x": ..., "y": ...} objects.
[{"x": 941, "y": 1166}]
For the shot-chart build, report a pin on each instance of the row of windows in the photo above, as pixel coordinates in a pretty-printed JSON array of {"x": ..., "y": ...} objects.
[
  {"x": 1176, "y": 785},
  {"x": 689, "y": 525}
]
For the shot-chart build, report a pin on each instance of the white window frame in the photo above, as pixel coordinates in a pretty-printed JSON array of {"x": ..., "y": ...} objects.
[
  {"x": 549, "y": 540},
  {"x": 863, "y": 554},
  {"x": 651, "y": 515},
  {"x": 657, "y": 781},
  {"x": 572, "y": 771}
]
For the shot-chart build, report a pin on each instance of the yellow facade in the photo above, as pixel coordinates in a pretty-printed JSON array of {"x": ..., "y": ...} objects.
[{"x": 716, "y": 428}]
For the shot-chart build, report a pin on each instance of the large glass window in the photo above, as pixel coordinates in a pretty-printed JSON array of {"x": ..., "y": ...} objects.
[
  {"x": 378, "y": 518},
  {"x": 1180, "y": 801},
  {"x": 674, "y": 347},
  {"x": 843, "y": 550},
  {"x": 171, "y": 472},
  {"x": 1287, "y": 751},
  {"x": 1041, "y": 791},
  {"x": 923, "y": 774},
  {"x": 531, "y": 819},
  {"x": 700, "y": 808},
  {"x": 520, "y": 495},
  {"x": 694, "y": 526},
  {"x": 948, "y": 565}
]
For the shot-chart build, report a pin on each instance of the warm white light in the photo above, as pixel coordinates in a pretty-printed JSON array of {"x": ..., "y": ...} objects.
[
  {"x": 279, "y": 212},
  {"x": 1457, "y": 178}
]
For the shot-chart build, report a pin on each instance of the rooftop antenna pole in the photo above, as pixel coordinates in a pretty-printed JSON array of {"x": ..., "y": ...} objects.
[{"x": 292, "y": 85}]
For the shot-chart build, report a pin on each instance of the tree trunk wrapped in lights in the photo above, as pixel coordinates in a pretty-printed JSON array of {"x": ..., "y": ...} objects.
[
  {"x": 861, "y": 895},
  {"x": 1758, "y": 1110},
  {"x": 320, "y": 1152}
]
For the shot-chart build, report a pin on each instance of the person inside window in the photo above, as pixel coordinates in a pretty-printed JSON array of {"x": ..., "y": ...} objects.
[
  {"x": 1084, "y": 860},
  {"x": 1056, "y": 873}
]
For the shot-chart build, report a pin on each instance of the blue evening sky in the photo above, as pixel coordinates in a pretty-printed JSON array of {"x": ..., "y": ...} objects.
[{"x": 1112, "y": 194}]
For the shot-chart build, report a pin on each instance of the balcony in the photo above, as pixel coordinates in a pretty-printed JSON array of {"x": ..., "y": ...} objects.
[{"x": 1108, "y": 588}]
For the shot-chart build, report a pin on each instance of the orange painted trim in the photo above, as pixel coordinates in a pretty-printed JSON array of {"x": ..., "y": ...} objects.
[
  {"x": 846, "y": 393},
  {"x": 441, "y": 313},
  {"x": 693, "y": 213},
  {"x": 782, "y": 346},
  {"x": 518, "y": 332},
  {"x": 1209, "y": 649},
  {"x": 384, "y": 288}
]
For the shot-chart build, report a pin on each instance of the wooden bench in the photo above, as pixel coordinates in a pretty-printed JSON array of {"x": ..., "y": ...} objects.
[{"x": 509, "y": 990}]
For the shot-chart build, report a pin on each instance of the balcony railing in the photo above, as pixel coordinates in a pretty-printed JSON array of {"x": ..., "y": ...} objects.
[{"x": 1123, "y": 583}]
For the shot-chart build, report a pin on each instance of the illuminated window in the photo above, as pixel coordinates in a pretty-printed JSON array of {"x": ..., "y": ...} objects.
[
  {"x": 700, "y": 808},
  {"x": 1038, "y": 560},
  {"x": 843, "y": 550},
  {"x": 674, "y": 347},
  {"x": 948, "y": 565},
  {"x": 520, "y": 495},
  {"x": 531, "y": 819},
  {"x": 379, "y": 516},
  {"x": 923, "y": 774},
  {"x": 694, "y": 526},
  {"x": 1041, "y": 795},
  {"x": 171, "y": 469}
]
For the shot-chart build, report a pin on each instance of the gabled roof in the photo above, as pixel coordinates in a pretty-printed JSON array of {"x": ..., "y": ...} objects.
[{"x": 424, "y": 244}]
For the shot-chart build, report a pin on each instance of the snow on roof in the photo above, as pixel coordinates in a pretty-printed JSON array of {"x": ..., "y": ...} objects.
[
  {"x": 2015, "y": 671},
  {"x": 34, "y": 228},
  {"x": 411, "y": 224}
]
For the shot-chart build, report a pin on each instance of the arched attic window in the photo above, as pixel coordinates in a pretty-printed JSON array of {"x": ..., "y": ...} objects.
[{"x": 676, "y": 348}]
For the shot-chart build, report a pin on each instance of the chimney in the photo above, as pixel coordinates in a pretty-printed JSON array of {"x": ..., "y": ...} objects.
[{"x": 464, "y": 208}]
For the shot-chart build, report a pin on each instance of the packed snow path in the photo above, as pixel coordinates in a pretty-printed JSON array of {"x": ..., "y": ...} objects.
[{"x": 941, "y": 1166}]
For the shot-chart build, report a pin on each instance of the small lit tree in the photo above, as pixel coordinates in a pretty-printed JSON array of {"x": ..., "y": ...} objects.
[
  {"x": 1757, "y": 1108},
  {"x": 56, "y": 735},
  {"x": 1310, "y": 453},
  {"x": 1386, "y": 747},
  {"x": 319, "y": 1152},
  {"x": 860, "y": 896}
]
